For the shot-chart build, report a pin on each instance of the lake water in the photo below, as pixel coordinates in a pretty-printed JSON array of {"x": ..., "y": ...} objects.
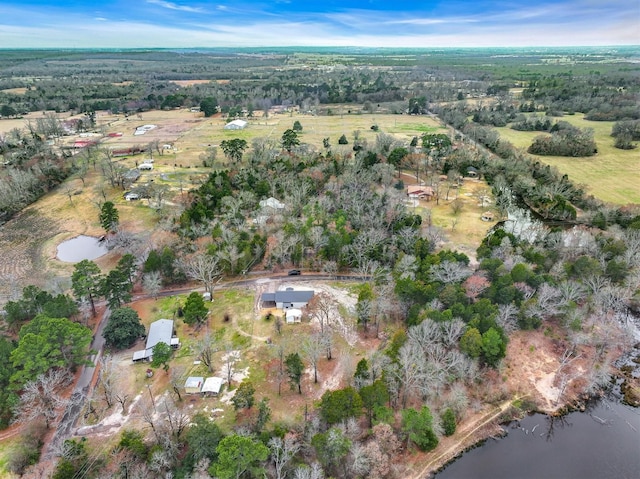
[
  {"x": 81, "y": 247},
  {"x": 601, "y": 443}
]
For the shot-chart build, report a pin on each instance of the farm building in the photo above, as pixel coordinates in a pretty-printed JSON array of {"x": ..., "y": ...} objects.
[
  {"x": 211, "y": 386},
  {"x": 132, "y": 175},
  {"x": 287, "y": 299},
  {"x": 293, "y": 315},
  {"x": 160, "y": 331},
  {"x": 193, "y": 384},
  {"x": 236, "y": 125},
  {"x": 141, "y": 130},
  {"x": 419, "y": 191}
]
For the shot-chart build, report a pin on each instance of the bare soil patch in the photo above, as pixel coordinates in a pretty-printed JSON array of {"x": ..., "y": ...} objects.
[
  {"x": 190, "y": 82},
  {"x": 533, "y": 367}
]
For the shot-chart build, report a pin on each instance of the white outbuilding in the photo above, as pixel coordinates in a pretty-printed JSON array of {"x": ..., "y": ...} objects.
[
  {"x": 236, "y": 125},
  {"x": 293, "y": 315},
  {"x": 211, "y": 386}
]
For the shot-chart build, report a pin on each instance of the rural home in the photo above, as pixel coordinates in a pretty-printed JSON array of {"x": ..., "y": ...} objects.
[
  {"x": 193, "y": 384},
  {"x": 287, "y": 299},
  {"x": 160, "y": 331},
  {"x": 211, "y": 386},
  {"x": 421, "y": 192},
  {"x": 236, "y": 125}
]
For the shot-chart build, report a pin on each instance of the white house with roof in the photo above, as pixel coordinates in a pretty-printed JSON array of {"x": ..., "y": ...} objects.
[{"x": 160, "y": 331}]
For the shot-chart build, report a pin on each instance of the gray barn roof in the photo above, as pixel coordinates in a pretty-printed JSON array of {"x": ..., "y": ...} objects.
[
  {"x": 288, "y": 296},
  {"x": 160, "y": 331}
]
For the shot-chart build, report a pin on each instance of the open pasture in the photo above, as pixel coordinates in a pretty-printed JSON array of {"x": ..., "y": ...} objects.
[{"x": 612, "y": 175}]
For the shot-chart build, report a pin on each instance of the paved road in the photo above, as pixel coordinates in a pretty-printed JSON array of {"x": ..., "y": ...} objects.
[{"x": 80, "y": 391}]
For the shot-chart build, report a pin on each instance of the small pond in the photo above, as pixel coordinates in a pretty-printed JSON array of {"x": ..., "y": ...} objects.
[{"x": 81, "y": 247}]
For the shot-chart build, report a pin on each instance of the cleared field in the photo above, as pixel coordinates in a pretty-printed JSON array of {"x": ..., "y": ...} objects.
[
  {"x": 191, "y": 134},
  {"x": 612, "y": 175},
  {"x": 464, "y": 229}
]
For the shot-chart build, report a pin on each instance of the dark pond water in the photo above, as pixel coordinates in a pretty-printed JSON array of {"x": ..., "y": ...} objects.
[
  {"x": 81, "y": 247},
  {"x": 603, "y": 442}
]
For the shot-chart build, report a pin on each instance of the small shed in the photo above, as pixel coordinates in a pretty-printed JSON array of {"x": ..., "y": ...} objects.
[
  {"x": 236, "y": 125},
  {"x": 212, "y": 386},
  {"x": 193, "y": 385},
  {"x": 293, "y": 315},
  {"x": 472, "y": 172}
]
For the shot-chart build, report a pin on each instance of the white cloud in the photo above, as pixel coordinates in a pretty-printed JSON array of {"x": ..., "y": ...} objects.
[{"x": 173, "y": 6}]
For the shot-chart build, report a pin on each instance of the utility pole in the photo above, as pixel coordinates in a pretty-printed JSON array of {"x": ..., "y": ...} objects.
[{"x": 152, "y": 400}]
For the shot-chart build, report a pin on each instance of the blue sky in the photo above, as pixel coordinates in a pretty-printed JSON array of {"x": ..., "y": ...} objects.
[{"x": 375, "y": 23}]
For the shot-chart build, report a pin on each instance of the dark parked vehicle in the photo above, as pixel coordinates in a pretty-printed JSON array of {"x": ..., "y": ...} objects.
[{"x": 294, "y": 272}]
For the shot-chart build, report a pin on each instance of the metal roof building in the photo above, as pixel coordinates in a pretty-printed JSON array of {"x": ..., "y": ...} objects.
[
  {"x": 160, "y": 331},
  {"x": 236, "y": 125},
  {"x": 287, "y": 299}
]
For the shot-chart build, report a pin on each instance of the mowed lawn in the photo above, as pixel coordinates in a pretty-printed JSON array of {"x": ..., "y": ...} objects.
[{"x": 612, "y": 175}]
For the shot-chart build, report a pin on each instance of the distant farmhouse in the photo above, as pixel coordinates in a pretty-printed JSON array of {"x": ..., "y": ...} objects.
[
  {"x": 420, "y": 192},
  {"x": 236, "y": 125},
  {"x": 287, "y": 299},
  {"x": 160, "y": 331}
]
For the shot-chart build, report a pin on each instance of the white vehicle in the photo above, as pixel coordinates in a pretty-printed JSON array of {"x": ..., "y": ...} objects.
[
  {"x": 145, "y": 166},
  {"x": 131, "y": 196}
]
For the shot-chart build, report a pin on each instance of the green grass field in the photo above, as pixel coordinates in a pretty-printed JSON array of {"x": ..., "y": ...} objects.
[
  {"x": 612, "y": 175},
  {"x": 314, "y": 129}
]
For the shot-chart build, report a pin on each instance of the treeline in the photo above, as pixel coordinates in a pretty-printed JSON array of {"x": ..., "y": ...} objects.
[
  {"x": 512, "y": 172},
  {"x": 601, "y": 97}
]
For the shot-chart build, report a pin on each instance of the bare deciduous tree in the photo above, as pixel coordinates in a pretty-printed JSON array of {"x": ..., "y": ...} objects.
[
  {"x": 42, "y": 397},
  {"x": 321, "y": 309},
  {"x": 108, "y": 379},
  {"x": 152, "y": 283},
  {"x": 306, "y": 472},
  {"x": 206, "y": 348},
  {"x": 507, "y": 317},
  {"x": 281, "y": 452},
  {"x": 449, "y": 272},
  {"x": 176, "y": 379},
  {"x": 204, "y": 268},
  {"x": 230, "y": 359},
  {"x": 312, "y": 349}
]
